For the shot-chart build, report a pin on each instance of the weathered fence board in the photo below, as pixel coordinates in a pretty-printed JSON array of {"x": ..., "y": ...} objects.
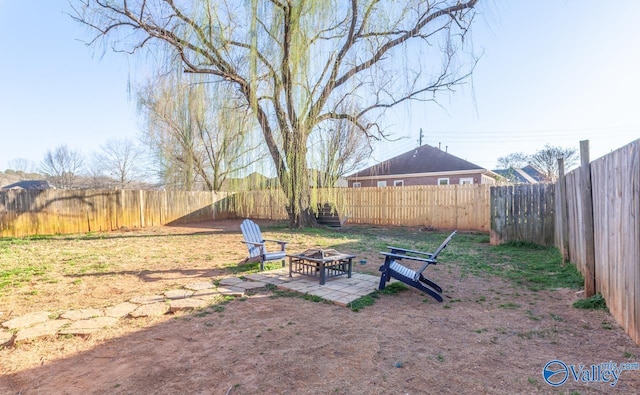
[
  {"x": 523, "y": 212},
  {"x": 28, "y": 212},
  {"x": 23, "y": 213},
  {"x": 464, "y": 207},
  {"x": 616, "y": 212},
  {"x": 575, "y": 206}
]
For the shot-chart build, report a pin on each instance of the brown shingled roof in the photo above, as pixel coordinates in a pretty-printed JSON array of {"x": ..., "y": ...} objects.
[{"x": 423, "y": 159}]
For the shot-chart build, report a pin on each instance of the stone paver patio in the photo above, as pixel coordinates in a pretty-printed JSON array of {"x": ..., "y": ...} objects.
[
  {"x": 340, "y": 290},
  {"x": 197, "y": 295}
]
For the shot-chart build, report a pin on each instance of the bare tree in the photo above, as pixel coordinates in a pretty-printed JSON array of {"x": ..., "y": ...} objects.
[
  {"x": 546, "y": 159},
  {"x": 514, "y": 160},
  {"x": 337, "y": 148},
  {"x": 22, "y": 165},
  {"x": 62, "y": 166},
  {"x": 296, "y": 62},
  {"x": 200, "y": 135},
  {"x": 95, "y": 178},
  {"x": 120, "y": 160}
]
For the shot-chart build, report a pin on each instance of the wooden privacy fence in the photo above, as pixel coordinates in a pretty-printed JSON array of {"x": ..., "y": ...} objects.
[
  {"x": 608, "y": 252},
  {"x": 605, "y": 192},
  {"x": 523, "y": 212},
  {"x": 29, "y": 212},
  {"x": 615, "y": 181},
  {"x": 24, "y": 212},
  {"x": 463, "y": 207}
]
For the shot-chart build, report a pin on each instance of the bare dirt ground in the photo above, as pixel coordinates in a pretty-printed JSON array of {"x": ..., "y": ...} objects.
[{"x": 489, "y": 337}]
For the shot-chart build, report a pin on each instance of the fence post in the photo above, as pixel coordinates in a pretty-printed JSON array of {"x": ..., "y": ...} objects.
[
  {"x": 563, "y": 214},
  {"x": 587, "y": 218},
  {"x": 141, "y": 197},
  {"x": 497, "y": 215}
]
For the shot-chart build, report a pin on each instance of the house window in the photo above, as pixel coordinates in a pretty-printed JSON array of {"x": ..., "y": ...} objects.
[
  {"x": 382, "y": 183},
  {"x": 398, "y": 183},
  {"x": 357, "y": 185},
  {"x": 466, "y": 181},
  {"x": 443, "y": 181}
]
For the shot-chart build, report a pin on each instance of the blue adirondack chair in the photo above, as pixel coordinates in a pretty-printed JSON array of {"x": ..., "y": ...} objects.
[
  {"x": 393, "y": 268},
  {"x": 256, "y": 245}
]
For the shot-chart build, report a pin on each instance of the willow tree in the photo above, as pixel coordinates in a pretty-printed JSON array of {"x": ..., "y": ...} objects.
[
  {"x": 337, "y": 148},
  {"x": 297, "y": 62},
  {"x": 199, "y": 134}
]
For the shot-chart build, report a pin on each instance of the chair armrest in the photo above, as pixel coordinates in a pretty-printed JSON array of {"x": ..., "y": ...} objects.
[
  {"x": 255, "y": 243},
  {"x": 413, "y": 258},
  {"x": 283, "y": 244},
  {"x": 277, "y": 241},
  {"x": 396, "y": 250}
]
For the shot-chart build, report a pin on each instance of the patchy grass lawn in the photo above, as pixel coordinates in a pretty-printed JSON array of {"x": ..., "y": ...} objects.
[{"x": 507, "y": 312}]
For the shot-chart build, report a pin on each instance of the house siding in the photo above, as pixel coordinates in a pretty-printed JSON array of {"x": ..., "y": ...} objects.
[{"x": 409, "y": 180}]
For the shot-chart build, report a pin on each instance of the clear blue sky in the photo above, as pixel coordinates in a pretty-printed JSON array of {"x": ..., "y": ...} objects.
[{"x": 552, "y": 71}]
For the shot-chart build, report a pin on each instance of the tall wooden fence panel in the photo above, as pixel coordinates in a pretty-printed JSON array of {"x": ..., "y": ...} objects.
[
  {"x": 270, "y": 204},
  {"x": 524, "y": 213},
  {"x": 575, "y": 206},
  {"x": 28, "y": 212},
  {"x": 23, "y": 213},
  {"x": 616, "y": 213},
  {"x": 464, "y": 207}
]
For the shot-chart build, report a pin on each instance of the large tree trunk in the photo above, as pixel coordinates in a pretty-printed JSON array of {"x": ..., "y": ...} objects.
[
  {"x": 296, "y": 185},
  {"x": 299, "y": 208}
]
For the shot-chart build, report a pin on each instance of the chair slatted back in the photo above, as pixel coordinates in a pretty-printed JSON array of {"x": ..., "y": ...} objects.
[
  {"x": 435, "y": 255},
  {"x": 251, "y": 232},
  {"x": 443, "y": 245}
]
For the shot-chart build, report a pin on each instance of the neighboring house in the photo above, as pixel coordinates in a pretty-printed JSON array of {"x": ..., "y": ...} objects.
[
  {"x": 30, "y": 184},
  {"x": 425, "y": 165},
  {"x": 524, "y": 175}
]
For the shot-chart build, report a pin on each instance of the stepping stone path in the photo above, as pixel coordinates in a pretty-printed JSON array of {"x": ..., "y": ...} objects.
[
  {"x": 178, "y": 294},
  {"x": 148, "y": 299},
  {"x": 150, "y": 310},
  {"x": 47, "y": 328},
  {"x": 86, "y": 327},
  {"x": 193, "y": 296},
  {"x": 27, "y": 320},
  {"x": 196, "y": 295},
  {"x": 198, "y": 286},
  {"x": 82, "y": 314},
  {"x": 187, "y": 304},
  {"x": 120, "y": 310}
]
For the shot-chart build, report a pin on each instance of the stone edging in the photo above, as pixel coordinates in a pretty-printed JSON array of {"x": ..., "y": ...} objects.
[{"x": 86, "y": 321}]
